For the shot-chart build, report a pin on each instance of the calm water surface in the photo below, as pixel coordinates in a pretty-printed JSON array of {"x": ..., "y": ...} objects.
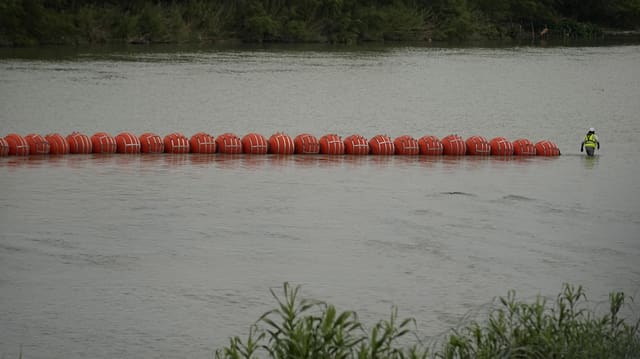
[{"x": 168, "y": 256}]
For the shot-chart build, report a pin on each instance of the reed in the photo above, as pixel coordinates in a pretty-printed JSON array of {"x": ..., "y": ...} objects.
[{"x": 564, "y": 328}]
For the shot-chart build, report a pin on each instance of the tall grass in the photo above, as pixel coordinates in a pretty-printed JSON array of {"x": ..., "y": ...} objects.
[
  {"x": 565, "y": 328},
  {"x": 302, "y": 328}
]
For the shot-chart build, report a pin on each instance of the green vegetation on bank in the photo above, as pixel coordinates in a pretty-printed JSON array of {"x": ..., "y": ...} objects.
[
  {"x": 301, "y": 328},
  {"x": 33, "y": 22}
]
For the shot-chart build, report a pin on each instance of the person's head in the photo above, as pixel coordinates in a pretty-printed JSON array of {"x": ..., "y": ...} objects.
[{"x": 592, "y": 130}]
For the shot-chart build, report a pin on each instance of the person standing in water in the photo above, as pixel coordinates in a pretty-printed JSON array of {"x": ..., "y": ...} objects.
[{"x": 590, "y": 142}]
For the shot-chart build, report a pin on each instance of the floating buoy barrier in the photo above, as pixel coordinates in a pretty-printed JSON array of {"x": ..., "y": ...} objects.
[
  {"x": 382, "y": 145},
  {"x": 306, "y": 144},
  {"x": 58, "y": 145},
  {"x": 103, "y": 142},
  {"x": 202, "y": 142},
  {"x": 547, "y": 148},
  {"x": 500, "y": 146},
  {"x": 4, "y": 147},
  {"x": 176, "y": 142},
  {"x": 126, "y": 142},
  {"x": 454, "y": 145},
  {"x": 17, "y": 145},
  {"x": 151, "y": 143},
  {"x": 229, "y": 143},
  {"x": 37, "y": 144},
  {"x": 255, "y": 144},
  {"x": 279, "y": 143},
  {"x": 524, "y": 147},
  {"x": 406, "y": 145},
  {"x": 356, "y": 145},
  {"x": 478, "y": 146},
  {"x": 331, "y": 144},
  {"x": 79, "y": 143},
  {"x": 430, "y": 146}
]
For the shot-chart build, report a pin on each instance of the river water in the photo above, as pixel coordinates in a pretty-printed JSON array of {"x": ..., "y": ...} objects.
[{"x": 167, "y": 256}]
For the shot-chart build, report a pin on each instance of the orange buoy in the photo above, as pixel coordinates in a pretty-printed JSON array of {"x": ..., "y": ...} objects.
[
  {"x": 4, "y": 147},
  {"x": 454, "y": 145},
  {"x": 255, "y": 144},
  {"x": 500, "y": 146},
  {"x": 478, "y": 146},
  {"x": 229, "y": 143},
  {"x": 202, "y": 143},
  {"x": 547, "y": 148},
  {"x": 524, "y": 147},
  {"x": 151, "y": 143},
  {"x": 430, "y": 146},
  {"x": 406, "y": 145},
  {"x": 281, "y": 144},
  {"x": 305, "y": 143},
  {"x": 382, "y": 145},
  {"x": 58, "y": 144},
  {"x": 126, "y": 142},
  {"x": 103, "y": 142},
  {"x": 176, "y": 142},
  {"x": 356, "y": 145},
  {"x": 37, "y": 144},
  {"x": 79, "y": 143},
  {"x": 331, "y": 144},
  {"x": 17, "y": 145}
]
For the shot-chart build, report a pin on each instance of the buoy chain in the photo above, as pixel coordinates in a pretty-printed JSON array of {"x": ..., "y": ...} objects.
[{"x": 278, "y": 143}]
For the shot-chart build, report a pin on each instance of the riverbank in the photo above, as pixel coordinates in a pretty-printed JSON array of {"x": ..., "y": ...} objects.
[{"x": 35, "y": 22}]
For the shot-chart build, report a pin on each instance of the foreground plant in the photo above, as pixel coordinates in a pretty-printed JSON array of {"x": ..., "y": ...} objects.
[
  {"x": 302, "y": 328},
  {"x": 565, "y": 330}
]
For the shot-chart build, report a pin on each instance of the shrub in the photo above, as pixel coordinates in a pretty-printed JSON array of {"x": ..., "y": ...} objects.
[{"x": 574, "y": 29}]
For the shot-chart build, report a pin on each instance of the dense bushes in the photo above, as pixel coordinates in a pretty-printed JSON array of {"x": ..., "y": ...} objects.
[
  {"x": 30, "y": 22},
  {"x": 301, "y": 328}
]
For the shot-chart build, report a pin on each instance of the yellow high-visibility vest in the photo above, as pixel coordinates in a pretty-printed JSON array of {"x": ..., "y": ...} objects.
[{"x": 590, "y": 140}]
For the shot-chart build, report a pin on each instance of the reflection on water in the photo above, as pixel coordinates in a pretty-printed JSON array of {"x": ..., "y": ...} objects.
[
  {"x": 234, "y": 161},
  {"x": 590, "y": 162}
]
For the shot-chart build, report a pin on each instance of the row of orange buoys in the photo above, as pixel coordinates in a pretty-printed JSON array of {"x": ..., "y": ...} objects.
[{"x": 278, "y": 143}]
